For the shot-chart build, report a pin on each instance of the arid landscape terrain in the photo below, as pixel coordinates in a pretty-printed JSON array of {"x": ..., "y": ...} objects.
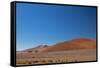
[{"x": 75, "y": 50}]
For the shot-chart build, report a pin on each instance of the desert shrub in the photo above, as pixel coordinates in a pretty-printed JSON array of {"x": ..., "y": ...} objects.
[
  {"x": 43, "y": 61},
  {"x": 36, "y": 51},
  {"x": 50, "y": 61},
  {"x": 29, "y": 62},
  {"x": 75, "y": 61},
  {"x": 58, "y": 60},
  {"x": 29, "y": 51},
  {"x": 21, "y": 62},
  {"x": 33, "y": 56},
  {"x": 35, "y": 61}
]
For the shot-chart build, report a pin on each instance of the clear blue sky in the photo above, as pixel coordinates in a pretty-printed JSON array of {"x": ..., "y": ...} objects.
[{"x": 49, "y": 24}]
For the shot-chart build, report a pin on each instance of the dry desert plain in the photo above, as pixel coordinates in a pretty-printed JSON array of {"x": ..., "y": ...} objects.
[{"x": 75, "y": 50}]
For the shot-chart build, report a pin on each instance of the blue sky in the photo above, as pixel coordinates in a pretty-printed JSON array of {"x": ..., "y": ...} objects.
[{"x": 49, "y": 24}]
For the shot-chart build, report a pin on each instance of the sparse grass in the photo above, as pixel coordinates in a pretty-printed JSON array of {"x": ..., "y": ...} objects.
[
  {"x": 53, "y": 60},
  {"x": 61, "y": 57}
]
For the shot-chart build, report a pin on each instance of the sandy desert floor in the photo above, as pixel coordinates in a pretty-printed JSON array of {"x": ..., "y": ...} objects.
[{"x": 56, "y": 57}]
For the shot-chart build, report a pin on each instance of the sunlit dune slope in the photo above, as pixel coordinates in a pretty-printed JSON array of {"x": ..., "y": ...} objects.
[{"x": 75, "y": 44}]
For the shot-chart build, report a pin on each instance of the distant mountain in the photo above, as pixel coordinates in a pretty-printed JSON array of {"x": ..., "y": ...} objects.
[
  {"x": 37, "y": 48},
  {"x": 41, "y": 46},
  {"x": 75, "y": 44}
]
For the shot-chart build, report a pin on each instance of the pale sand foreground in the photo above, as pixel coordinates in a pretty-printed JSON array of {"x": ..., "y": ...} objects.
[{"x": 56, "y": 57}]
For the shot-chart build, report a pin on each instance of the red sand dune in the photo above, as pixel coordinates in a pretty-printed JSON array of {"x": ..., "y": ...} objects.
[{"x": 75, "y": 44}]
